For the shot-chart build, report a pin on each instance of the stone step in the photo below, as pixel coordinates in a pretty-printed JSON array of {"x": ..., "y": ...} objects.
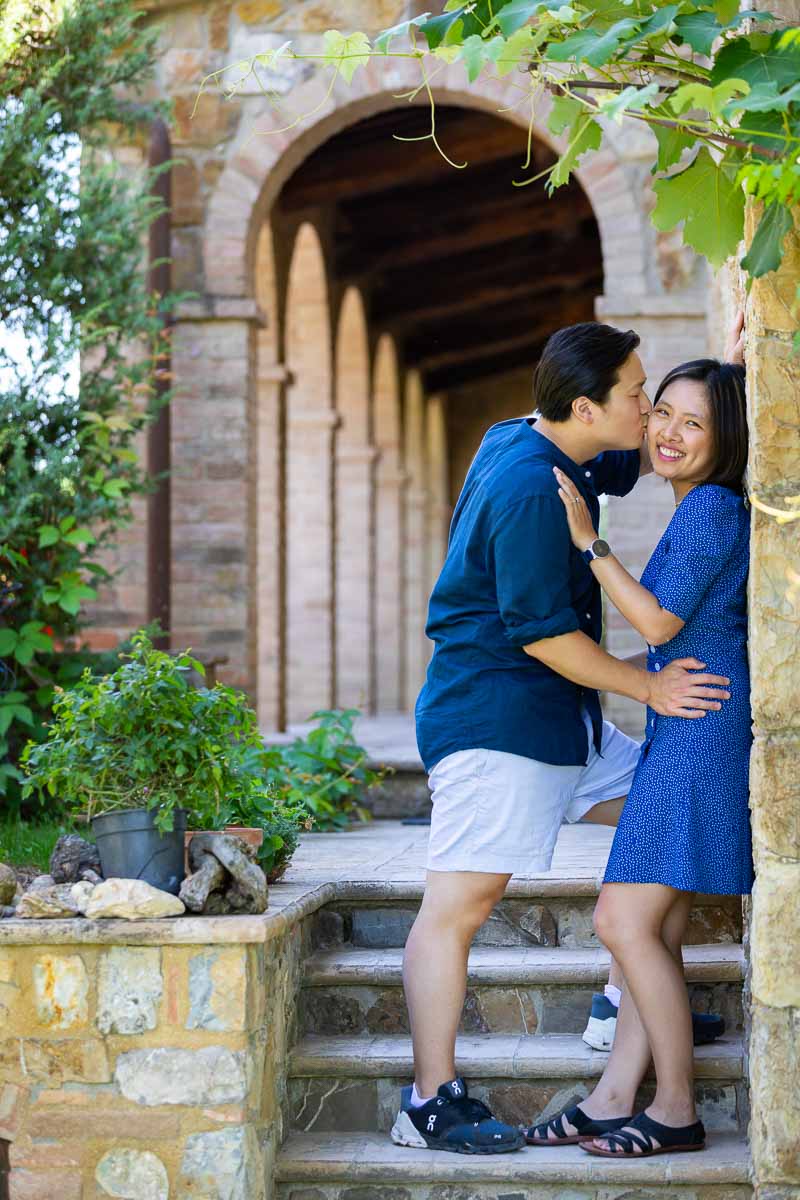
[
  {"x": 530, "y": 990},
  {"x": 346, "y": 1084},
  {"x": 370, "y": 1167},
  {"x": 535, "y": 912}
]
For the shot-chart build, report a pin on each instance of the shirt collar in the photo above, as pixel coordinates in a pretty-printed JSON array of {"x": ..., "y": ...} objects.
[{"x": 579, "y": 474}]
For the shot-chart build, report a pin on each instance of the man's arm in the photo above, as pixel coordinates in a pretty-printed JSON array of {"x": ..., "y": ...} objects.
[{"x": 673, "y": 692}]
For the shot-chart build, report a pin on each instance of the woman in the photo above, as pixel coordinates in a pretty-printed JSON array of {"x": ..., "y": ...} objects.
[{"x": 685, "y": 825}]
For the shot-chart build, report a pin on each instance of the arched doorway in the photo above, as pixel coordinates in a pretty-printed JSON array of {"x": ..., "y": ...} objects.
[{"x": 417, "y": 300}]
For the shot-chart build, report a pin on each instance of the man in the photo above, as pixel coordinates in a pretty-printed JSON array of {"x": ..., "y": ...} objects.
[{"x": 509, "y": 723}]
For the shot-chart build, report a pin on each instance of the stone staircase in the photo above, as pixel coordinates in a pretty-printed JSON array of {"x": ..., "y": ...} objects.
[{"x": 532, "y": 971}]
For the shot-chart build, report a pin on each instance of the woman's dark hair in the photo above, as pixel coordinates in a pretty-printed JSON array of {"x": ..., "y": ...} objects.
[
  {"x": 581, "y": 360},
  {"x": 727, "y": 403}
]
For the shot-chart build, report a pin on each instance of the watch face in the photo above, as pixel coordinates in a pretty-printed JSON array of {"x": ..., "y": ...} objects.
[{"x": 601, "y": 549}]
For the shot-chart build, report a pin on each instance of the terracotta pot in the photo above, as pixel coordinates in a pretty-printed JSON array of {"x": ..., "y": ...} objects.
[{"x": 250, "y": 834}]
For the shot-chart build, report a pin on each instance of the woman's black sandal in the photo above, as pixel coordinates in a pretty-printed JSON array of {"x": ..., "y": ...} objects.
[
  {"x": 645, "y": 1137},
  {"x": 587, "y": 1127}
]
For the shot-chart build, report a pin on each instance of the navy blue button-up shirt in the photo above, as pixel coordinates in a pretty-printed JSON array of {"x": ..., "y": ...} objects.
[{"x": 512, "y": 577}]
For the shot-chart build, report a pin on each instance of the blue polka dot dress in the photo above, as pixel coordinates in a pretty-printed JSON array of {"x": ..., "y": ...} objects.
[{"x": 686, "y": 821}]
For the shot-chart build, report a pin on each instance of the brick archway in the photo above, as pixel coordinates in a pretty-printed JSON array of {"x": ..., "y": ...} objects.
[{"x": 257, "y": 169}]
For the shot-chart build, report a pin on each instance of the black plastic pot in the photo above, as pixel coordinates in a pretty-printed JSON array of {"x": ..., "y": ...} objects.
[{"x": 131, "y": 847}]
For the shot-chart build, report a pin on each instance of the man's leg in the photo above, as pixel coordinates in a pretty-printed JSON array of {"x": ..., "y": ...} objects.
[{"x": 455, "y": 905}]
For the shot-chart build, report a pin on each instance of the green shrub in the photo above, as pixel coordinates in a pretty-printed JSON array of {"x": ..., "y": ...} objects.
[
  {"x": 73, "y": 284},
  {"x": 142, "y": 737}
]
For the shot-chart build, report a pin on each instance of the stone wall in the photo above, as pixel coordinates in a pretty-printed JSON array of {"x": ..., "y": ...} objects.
[
  {"x": 773, "y": 371},
  {"x": 153, "y": 1068}
]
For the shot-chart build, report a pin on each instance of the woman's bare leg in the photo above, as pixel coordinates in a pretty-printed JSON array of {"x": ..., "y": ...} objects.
[{"x": 636, "y": 922}]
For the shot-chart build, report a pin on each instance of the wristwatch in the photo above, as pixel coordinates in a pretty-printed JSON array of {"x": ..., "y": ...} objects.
[{"x": 598, "y": 549}]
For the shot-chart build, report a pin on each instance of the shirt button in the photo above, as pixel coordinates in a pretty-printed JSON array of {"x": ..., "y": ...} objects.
[
  {"x": 652, "y": 649},
  {"x": 588, "y": 474},
  {"x": 588, "y": 616},
  {"x": 658, "y": 666}
]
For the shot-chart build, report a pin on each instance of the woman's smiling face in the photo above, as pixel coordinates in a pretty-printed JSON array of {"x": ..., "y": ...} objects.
[{"x": 680, "y": 435}]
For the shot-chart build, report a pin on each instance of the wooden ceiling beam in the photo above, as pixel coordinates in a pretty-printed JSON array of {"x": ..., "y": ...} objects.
[{"x": 353, "y": 164}]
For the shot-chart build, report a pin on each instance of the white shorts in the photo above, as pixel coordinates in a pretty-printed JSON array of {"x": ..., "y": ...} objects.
[{"x": 501, "y": 813}]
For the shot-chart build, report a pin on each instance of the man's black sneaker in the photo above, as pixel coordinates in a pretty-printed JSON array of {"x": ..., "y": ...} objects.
[{"x": 453, "y": 1121}]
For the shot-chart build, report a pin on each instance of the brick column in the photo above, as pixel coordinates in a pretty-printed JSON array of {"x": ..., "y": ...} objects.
[
  {"x": 389, "y": 488},
  {"x": 212, "y": 359},
  {"x": 439, "y": 511},
  {"x": 310, "y": 423},
  {"x": 355, "y": 512},
  {"x": 416, "y": 540}
]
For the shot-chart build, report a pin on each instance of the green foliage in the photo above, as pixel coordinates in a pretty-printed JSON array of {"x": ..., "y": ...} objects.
[
  {"x": 715, "y": 83},
  {"x": 325, "y": 773},
  {"x": 71, "y": 282},
  {"x": 142, "y": 737},
  {"x": 30, "y": 844},
  {"x": 710, "y": 202},
  {"x": 282, "y": 828}
]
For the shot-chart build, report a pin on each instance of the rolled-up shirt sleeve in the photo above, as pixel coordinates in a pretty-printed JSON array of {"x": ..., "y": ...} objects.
[
  {"x": 703, "y": 536},
  {"x": 530, "y": 549}
]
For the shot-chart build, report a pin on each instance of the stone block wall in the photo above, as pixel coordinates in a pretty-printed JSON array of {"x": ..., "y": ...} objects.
[{"x": 145, "y": 1071}]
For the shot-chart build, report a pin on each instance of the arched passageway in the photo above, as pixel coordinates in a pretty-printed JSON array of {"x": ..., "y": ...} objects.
[{"x": 415, "y": 303}]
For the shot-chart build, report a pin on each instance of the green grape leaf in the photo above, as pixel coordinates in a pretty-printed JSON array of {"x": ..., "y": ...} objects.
[
  {"x": 764, "y": 97},
  {"x": 699, "y": 30},
  {"x": 593, "y": 48},
  {"x": 384, "y": 39},
  {"x": 448, "y": 25},
  {"x": 726, "y": 10},
  {"x": 630, "y": 99},
  {"x": 515, "y": 15},
  {"x": 565, "y": 111},
  {"x": 24, "y": 653},
  {"x": 660, "y": 22},
  {"x": 518, "y": 47},
  {"x": 477, "y": 52},
  {"x": 710, "y": 202},
  {"x": 671, "y": 145},
  {"x": 712, "y": 99},
  {"x": 758, "y": 59},
  {"x": 766, "y": 249},
  {"x": 585, "y": 135},
  {"x": 346, "y": 53}
]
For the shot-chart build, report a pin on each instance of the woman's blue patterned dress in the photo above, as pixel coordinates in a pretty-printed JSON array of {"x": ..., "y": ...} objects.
[{"x": 686, "y": 821}]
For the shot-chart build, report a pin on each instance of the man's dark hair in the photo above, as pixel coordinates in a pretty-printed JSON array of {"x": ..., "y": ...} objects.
[
  {"x": 581, "y": 360},
  {"x": 727, "y": 401}
]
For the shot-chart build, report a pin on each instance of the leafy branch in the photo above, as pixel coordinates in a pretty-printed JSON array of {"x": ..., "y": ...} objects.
[{"x": 718, "y": 87}]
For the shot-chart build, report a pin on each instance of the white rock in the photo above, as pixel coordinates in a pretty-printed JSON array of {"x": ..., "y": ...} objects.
[
  {"x": 56, "y": 900},
  {"x": 132, "y": 1175},
  {"x": 129, "y": 989},
  {"x": 131, "y": 899},
  {"x": 170, "y": 1075},
  {"x": 81, "y": 893}
]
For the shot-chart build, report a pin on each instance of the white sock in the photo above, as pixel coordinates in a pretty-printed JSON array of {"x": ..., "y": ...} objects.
[
  {"x": 613, "y": 994},
  {"x": 416, "y": 1100}
]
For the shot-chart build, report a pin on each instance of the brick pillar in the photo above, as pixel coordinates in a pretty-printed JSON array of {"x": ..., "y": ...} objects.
[
  {"x": 355, "y": 512},
  {"x": 267, "y": 443},
  {"x": 213, "y": 366},
  {"x": 310, "y": 423},
  {"x": 673, "y": 330},
  {"x": 389, "y": 488},
  {"x": 439, "y": 511},
  {"x": 773, "y": 384},
  {"x": 416, "y": 540}
]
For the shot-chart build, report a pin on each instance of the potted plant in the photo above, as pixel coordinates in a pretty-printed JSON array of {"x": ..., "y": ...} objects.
[{"x": 142, "y": 755}]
